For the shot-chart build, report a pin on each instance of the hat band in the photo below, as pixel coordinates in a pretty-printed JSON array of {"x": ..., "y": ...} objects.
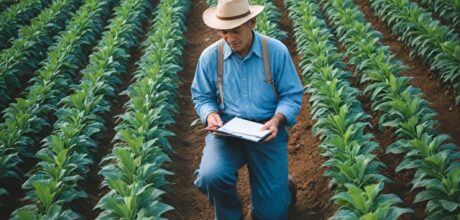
[{"x": 234, "y": 17}]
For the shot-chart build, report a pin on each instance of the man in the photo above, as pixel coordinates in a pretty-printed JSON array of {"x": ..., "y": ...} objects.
[{"x": 242, "y": 89}]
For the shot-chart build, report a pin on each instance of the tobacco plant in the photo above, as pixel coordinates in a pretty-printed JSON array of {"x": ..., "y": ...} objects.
[
  {"x": 435, "y": 43},
  {"x": 6, "y": 4},
  {"x": 17, "y": 15},
  {"x": 133, "y": 171},
  {"x": 341, "y": 122},
  {"x": 447, "y": 9},
  {"x": 66, "y": 155},
  {"x": 25, "y": 119},
  {"x": 367, "y": 203},
  {"x": 401, "y": 108},
  {"x": 18, "y": 62}
]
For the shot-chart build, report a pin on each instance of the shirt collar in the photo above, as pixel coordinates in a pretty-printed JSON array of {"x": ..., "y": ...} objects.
[{"x": 256, "y": 47}]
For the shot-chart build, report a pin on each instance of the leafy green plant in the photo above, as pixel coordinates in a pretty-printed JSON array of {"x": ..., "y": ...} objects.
[
  {"x": 367, "y": 203},
  {"x": 25, "y": 119},
  {"x": 6, "y": 4},
  {"x": 436, "y": 44},
  {"x": 399, "y": 104},
  {"x": 447, "y": 9},
  {"x": 341, "y": 121},
  {"x": 17, "y": 15},
  {"x": 66, "y": 155},
  {"x": 18, "y": 62},
  {"x": 133, "y": 170},
  {"x": 441, "y": 194}
]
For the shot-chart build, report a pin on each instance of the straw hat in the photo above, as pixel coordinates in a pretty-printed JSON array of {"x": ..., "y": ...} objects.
[{"x": 230, "y": 14}]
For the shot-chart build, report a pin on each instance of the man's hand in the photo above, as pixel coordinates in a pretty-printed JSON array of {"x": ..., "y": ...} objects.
[
  {"x": 214, "y": 121},
  {"x": 272, "y": 125}
]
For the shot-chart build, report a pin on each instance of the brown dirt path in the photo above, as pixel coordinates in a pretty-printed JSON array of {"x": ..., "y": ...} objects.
[{"x": 304, "y": 160}]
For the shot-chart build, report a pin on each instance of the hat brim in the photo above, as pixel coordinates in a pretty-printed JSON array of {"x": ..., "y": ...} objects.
[{"x": 210, "y": 18}]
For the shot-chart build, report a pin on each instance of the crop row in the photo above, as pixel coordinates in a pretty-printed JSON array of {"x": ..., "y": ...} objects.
[
  {"x": 341, "y": 122},
  {"x": 25, "y": 119},
  {"x": 18, "y": 62},
  {"x": 132, "y": 171},
  {"x": 447, "y": 9},
  {"x": 17, "y": 15},
  {"x": 436, "y": 44},
  {"x": 401, "y": 107},
  {"x": 67, "y": 153},
  {"x": 5, "y": 4}
]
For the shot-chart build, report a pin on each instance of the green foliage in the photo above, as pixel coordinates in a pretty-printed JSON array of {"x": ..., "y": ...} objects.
[
  {"x": 341, "y": 122},
  {"x": 399, "y": 104},
  {"x": 66, "y": 155},
  {"x": 16, "y": 16},
  {"x": 20, "y": 60},
  {"x": 5, "y": 4},
  {"x": 447, "y": 9},
  {"x": 435, "y": 43},
  {"x": 367, "y": 203},
  {"x": 25, "y": 119},
  {"x": 133, "y": 170}
]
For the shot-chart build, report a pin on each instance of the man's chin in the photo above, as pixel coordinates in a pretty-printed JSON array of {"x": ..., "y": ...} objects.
[{"x": 235, "y": 49}]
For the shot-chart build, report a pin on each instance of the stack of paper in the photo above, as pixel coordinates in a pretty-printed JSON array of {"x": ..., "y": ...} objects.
[{"x": 244, "y": 129}]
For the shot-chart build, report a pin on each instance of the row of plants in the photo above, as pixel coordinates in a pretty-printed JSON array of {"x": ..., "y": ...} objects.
[
  {"x": 340, "y": 122},
  {"x": 5, "y": 4},
  {"x": 133, "y": 170},
  {"x": 67, "y": 153},
  {"x": 18, "y": 62},
  {"x": 267, "y": 21},
  {"x": 25, "y": 119},
  {"x": 401, "y": 108},
  {"x": 17, "y": 15},
  {"x": 436, "y": 44},
  {"x": 446, "y": 9}
]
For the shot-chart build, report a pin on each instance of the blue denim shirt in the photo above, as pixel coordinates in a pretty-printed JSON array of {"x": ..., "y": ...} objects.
[{"x": 246, "y": 92}]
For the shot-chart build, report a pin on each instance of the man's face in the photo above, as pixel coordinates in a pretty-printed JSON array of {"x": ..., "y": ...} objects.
[{"x": 239, "y": 38}]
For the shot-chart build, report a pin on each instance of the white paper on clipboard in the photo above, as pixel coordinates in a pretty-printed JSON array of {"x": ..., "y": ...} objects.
[{"x": 244, "y": 129}]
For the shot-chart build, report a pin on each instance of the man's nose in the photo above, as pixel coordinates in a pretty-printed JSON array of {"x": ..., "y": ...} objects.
[{"x": 231, "y": 37}]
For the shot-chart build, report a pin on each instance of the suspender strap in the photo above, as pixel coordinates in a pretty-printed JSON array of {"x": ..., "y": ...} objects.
[
  {"x": 220, "y": 67},
  {"x": 266, "y": 58}
]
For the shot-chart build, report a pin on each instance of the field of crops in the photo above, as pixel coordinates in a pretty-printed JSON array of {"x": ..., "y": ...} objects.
[{"x": 96, "y": 115}]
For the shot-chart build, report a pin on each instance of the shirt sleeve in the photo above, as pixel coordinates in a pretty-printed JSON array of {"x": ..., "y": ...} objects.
[
  {"x": 204, "y": 89},
  {"x": 289, "y": 88}
]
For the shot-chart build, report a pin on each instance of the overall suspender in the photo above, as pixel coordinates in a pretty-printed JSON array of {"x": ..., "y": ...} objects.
[{"x": 220, "y": 66}]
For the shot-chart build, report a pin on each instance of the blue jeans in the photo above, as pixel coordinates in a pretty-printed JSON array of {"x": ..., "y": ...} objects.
[{"x": 268, "y": 172}]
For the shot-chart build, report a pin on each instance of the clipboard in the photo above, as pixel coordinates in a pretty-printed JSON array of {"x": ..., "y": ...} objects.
[{"x": 244, "y": 129}]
